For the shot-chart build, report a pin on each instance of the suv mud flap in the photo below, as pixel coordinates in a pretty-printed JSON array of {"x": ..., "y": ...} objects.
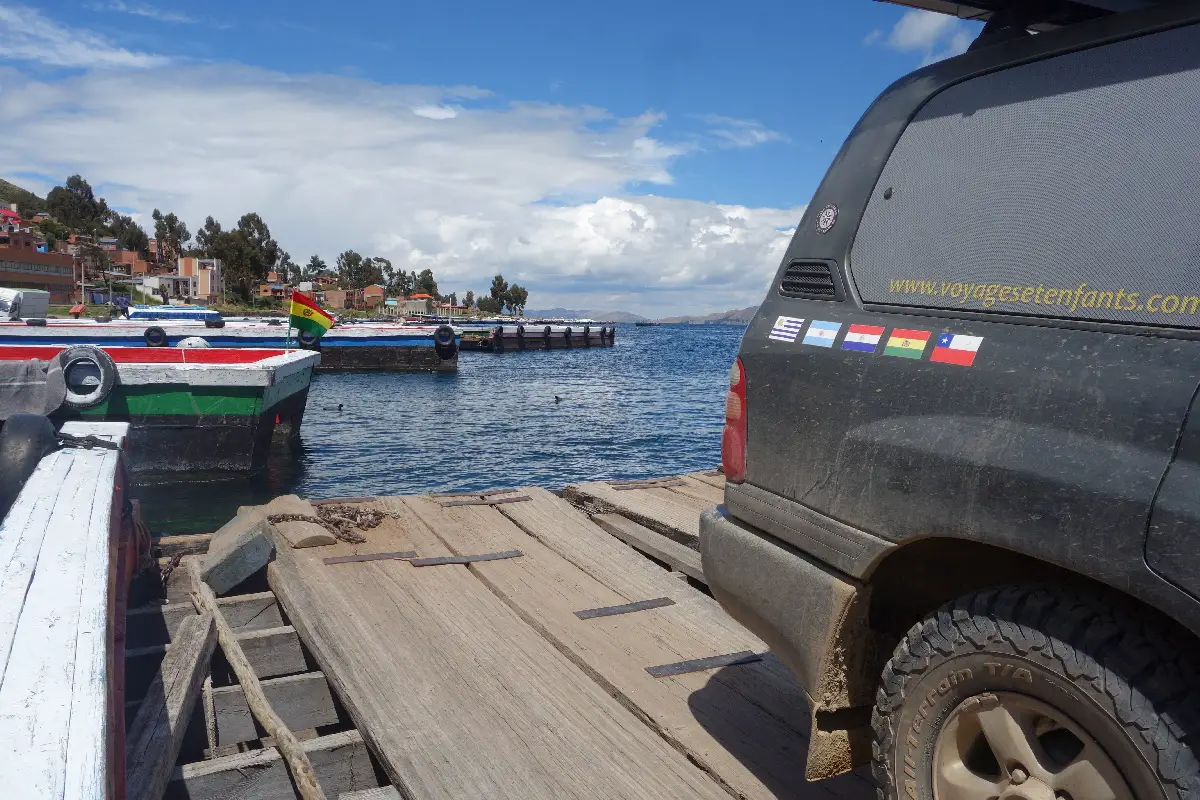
[{"x": 814, "y": 619}]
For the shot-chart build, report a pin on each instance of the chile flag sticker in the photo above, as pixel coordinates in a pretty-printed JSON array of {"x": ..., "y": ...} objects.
[{"x": 954, "y": 348}]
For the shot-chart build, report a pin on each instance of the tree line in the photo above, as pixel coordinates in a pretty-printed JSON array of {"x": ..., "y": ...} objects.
[{"x": 247, "y": 251}]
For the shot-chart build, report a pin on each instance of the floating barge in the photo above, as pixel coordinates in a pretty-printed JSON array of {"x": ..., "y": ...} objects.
[
  {"x": 516, "y": 338},
  {"x": 487, "y": 644},
  {"x": 211, "y": 409},
  {"x": 380, "y": 346}
]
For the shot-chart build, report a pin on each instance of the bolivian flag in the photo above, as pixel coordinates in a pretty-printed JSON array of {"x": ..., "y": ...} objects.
[
  {"x": 306, "y": 315},
  {"x": 906, "y": 344}
]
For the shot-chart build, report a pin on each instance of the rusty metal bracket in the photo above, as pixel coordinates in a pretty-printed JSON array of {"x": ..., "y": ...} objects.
[
  {"x": 627, "y": 608},
  {"x": 370, "y": 557},
  {"x": 697, "y": 664},
  {"x": 486, "y": 501},
  {"x": 439, "y": 560}
]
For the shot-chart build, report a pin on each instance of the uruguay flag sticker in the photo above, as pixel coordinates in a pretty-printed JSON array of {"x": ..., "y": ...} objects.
[
  {"x": 786, "y": 329},
  {"x": 954, "y": 348},
  {"x": 822, "y": 333}
]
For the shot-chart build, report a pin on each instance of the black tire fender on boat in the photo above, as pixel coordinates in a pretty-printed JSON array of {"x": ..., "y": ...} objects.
[
  {"x": 155, "y": 337},
  {"x": 308, "y": 341},
  {"x": 103, "y": 319},
  {"x": 104, "y": 364},
  {"x": 36, "y": 323},
  {"x": 587, "y": 335},
  {"x": 520, "y": 337},
  {"x": 567, "y": 336},
  {"x": 214, "y": 323},
  {"x": 546, "y": 337},
  {"x": 24, "y": 439},
  {"x": 443, "y": 342},
  {"x": 498, "y": 339}
]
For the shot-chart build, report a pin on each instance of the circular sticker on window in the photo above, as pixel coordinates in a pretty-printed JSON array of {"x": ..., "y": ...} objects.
[{"x": 826, "y": 218}]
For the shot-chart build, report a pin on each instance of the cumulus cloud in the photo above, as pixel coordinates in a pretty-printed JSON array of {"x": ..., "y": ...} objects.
[
  {"x": 425, "y": 176},
  {"x": 149, "y": 12},
  {"x": 935, "y": 36},
  {"x": 26, "y": 35}
]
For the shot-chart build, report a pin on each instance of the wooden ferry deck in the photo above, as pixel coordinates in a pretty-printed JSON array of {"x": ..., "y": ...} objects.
[{"x": 564, "y": 664}]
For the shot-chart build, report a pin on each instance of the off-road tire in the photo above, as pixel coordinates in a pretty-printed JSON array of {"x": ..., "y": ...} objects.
[{"x": 1125, "y": 676}]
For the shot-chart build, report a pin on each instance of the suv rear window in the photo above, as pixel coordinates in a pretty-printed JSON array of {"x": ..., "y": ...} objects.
[{"x": 1068, "y": 187}]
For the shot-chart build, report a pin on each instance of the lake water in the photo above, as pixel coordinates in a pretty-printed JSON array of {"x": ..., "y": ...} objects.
[{"x": 651, "y": 405}]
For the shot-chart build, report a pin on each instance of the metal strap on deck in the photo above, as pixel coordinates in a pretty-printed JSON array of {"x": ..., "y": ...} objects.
[
  {"x": 485, "y": 493},
  {"x": 439, "y": 560},
  {"x": 697, "y": 664},
  {"x": 712, "y": 473},
  {"x": 370, "y": 557},
  {"x": 486, "y": 501},
  {"x": 627, "y": 608},
  {"x": 330, "y": 501},
  {"x": 624, "y": 487}
]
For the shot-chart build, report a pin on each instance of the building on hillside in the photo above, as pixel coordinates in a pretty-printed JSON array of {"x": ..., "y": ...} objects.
[
  {"x": 208, "y": 284},
  {"x": 131, "y": 259},
  {"x": 167, "y": 287},
  {"x": 447, "y": 310},
  {"x": 41, "y": 216},
  {"x": 419, "y": 304},
  {"x": 24, "y": 264},
  {"x": 343, "y": 298},
  {"x": 273, "y": 286},
  {"x": 108, "y": 244},
  {"x": 374, "y": 294}
]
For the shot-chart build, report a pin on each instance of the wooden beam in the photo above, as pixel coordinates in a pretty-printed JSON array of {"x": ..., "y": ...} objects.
[
  {"x": 298, "y": 534},
  {"x": 156, "y": 624},
  {"x": 156, "y": 735},
  {"x": 239, "y": 549},
  {"x": 678, "y": 556},
  {"x": 341, "y": 761},
  {"x": 183, "y": 545},
  {"x": 300, "y": 701},
  {"x": 297, "y": 762},
  {"x": 271, "y": 651},
  {"x": 378, "y": 793}
]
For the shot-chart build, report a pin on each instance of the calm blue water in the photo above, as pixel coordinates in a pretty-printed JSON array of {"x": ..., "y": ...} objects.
[{"x": 651, "y": 405}]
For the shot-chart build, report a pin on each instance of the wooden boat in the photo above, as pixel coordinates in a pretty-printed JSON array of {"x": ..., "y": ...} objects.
[
  {"x": 214, "y": 409},
  {"x": 67, "y": 552}
]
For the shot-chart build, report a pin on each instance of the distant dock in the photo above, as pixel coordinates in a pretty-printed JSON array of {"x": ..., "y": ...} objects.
[{"x": 515, "y": 338}]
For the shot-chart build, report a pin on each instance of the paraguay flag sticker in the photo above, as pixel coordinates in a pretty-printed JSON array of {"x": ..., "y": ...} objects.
[
  {"x": 864, "y": 338},
  {"x": 821, "y": 333},
  {"x": 954, "y": 348}
]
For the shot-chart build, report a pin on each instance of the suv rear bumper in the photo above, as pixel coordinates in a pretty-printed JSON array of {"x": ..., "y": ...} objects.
[{"x": 790, "y": 600}]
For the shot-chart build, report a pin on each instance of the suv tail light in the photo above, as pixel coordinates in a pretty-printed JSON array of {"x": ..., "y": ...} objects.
[{"x": 733, "y": 438}]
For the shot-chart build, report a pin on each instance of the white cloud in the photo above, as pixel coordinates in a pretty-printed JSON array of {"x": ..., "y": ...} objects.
[
  {"x": 731, "y": 132},
  {"x": 425, "y": 176},
  {"x": 935, "y": 36},
  {"x": 25, "y": 35},
  {"x": 149, "y": 12}
]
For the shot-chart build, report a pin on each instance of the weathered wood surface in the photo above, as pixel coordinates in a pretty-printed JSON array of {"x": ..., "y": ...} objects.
[
  {"x": 379, "y": 793},
  {"x": 294, "y": 758},
  {"x": 156, "y": 735},
  {"x": 298, "y": 534},
  {"x": 56, "y": 569},
  {"x": 271, "y": 652},
  {"x": 678, "y": 556},
  {"x": 182, "y": 545},
  {"x": 459, "y": 696},
  {"x": 156, "y": 624},
  {"x": 668, "y": 511},
  {"x": 341, "y": 761},
  {"x": 747, "y": 724},
  {"x": 239, "y": 549},
  {"x": 712, "y": 477},
  {"x": 301, "y": 701}
]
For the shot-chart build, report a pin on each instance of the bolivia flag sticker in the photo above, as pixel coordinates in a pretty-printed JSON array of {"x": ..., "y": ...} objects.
[
  {"x": 906, "y": 344},
  {"x": 954, "y": 348}
]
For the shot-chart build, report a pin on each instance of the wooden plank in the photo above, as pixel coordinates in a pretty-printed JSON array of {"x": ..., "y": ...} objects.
[
  {"x": 379, "y": 793},
  {"x": 704, "y": 493},
  {"x": 239, "y": 549},
  {"x": 154, "y": 739},
  {"x": 678, "y": 556},
  {"x": 338, "y": 501},
  {"x": 273, "y": 652},
  {"x": 301, "y": 701},
  {"x": 712, "y": 477},
  {"x": 54, "y": 685},
  {"x": 484, "y": 501},
  {"x": 710, "y": 716},
  {"x": 156, "y": 624},
  {"x": 177, "y": 587},
  {"x": 341, "y": 761},
  {"x": 182, "y": 545},
  {"x": 430, "y": 663},
  {"x": 673, "y": 516},
  {"x": 298, "y": 534}
]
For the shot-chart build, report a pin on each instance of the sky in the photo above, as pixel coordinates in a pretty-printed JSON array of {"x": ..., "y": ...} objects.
[{"x": 649, "y": 157}]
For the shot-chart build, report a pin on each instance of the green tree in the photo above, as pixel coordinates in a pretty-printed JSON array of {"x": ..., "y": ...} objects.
[
  {"x": 54, "y": 231},
  {"x": 27, "y": 202},
  {"x": 424, "y": 283},
  {"x": 515, "y": 298},
  {"x": 498, "y": 294},
  {"x": 453, "y": 299},
  {"x": 76, "y": 206},
  {"x": 489, "y": 306},
  {"x": 172, "y": 235},
  {"x": 315, "y": 266},
  {"x": 247, "y": 252},
  {"x": 354, "y": 271},
  {"x": 469, "y": 299},
  {"x": 289, "y": 271},
  {"x": 128, "y": 233}
]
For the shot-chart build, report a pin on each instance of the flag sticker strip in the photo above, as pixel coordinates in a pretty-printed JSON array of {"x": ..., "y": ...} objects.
[
  {"x": 864, "y": 338},
  {"x": 786, "y": 329},
  {"x": 954, "y": 348},
  {"x": 906, "y": 344},
  {"x": 821, "y": 333}
]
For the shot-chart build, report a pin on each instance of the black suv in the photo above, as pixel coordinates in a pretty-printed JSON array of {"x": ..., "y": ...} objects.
[{"x": 963, "y": 498}]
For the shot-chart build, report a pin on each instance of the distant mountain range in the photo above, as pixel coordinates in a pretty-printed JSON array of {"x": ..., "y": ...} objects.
[
  {"x": 739, "y": 316},
  {"x": 574, "y": 313}
]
